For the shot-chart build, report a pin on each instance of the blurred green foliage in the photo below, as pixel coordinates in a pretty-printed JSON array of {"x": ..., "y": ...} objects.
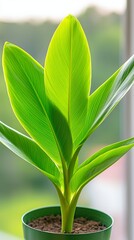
[
  {"x": 104, "y": 34},
  {"x": 12, "y": 210}
]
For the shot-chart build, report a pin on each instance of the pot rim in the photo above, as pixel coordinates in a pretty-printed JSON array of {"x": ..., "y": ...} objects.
[{"x": 60, "y": 233}]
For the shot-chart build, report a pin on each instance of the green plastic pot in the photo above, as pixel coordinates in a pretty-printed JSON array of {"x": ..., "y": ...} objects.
[{"x": 34, "y": 234}]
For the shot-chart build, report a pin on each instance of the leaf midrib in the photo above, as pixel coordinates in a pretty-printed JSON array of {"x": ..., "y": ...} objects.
[{"x": 70, "y": 73}]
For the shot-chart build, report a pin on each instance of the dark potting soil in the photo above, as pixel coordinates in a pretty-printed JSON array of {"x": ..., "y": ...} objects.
[{"x": 53, "y": 224}]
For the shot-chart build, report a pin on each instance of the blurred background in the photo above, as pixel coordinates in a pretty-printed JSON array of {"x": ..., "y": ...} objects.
[{"x": 30, "y": 24}]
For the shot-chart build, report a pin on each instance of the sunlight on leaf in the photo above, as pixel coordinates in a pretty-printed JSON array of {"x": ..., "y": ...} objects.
[{"x": 68, "y": 72}]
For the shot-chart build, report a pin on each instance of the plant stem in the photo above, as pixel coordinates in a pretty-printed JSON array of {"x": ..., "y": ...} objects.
[
  {"x": 67, "y": 212},
  {"x": 67, "y": 200}
]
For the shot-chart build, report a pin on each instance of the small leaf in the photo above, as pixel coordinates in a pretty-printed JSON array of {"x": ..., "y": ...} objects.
[
  {"x": 68, "y": 73},
  {"x": 106, "y": 97},
  {"x": 98, "y": 162},
  {"x": 28, "y": 150}
]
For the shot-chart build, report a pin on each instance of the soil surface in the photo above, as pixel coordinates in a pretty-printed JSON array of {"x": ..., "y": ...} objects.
[{"x": 53, "y": 224}]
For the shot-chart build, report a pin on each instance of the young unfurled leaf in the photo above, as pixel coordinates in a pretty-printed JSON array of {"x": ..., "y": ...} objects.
[{"x": 68, "y": 73}]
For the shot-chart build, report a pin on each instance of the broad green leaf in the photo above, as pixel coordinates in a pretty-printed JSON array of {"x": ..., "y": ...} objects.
[
  {"x": 68, "y": 72},
  {"x": 28, "y": 150},
  {"x": 106, "y": 97},
  {"x": 25, "y": 83},
  {"x": 98, "y": 162}
]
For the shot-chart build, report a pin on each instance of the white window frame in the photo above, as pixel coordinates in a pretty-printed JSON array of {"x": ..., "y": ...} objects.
[{"x": 129, "y": 122}]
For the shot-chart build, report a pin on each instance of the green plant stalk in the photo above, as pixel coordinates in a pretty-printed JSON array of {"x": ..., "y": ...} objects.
[
  {"x": 68, "y": 201},
  {"x": 73, "y": 162},
  {"x": 67, "y": 211},
  {"x": 68, "y": 208}
]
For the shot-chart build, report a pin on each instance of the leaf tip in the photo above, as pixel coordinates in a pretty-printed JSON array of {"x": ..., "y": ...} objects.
[
  {"x": 5, "y": 48},
  {"x": 70, "y": 17},
  {"x": 6, "y": 45}
]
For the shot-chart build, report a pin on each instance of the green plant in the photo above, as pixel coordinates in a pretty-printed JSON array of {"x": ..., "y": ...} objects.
[{"x": 55, "y": 107}]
